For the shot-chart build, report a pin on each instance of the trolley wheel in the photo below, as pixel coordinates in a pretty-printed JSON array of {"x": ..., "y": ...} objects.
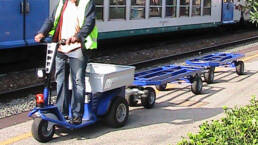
[
  {"x": 209, "y": 76},
  {"x": 118, "y": 113},
  {"x": 130, "y": 100},
  {"x": 149, "y": 101},
  {"x": 161, "y": 87},
  {"x": 40, "y": 130},
  {"x": 240, "y": 67},
  {"x": 197, "y": 85}
]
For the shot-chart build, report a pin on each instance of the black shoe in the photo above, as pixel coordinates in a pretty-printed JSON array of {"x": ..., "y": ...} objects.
[{"x": 76, "y": 121}]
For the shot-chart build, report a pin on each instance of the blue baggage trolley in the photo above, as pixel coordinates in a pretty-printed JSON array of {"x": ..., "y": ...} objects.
[
  {"x": 159, "y": 77},
  {"x": 209, "y": 62}
]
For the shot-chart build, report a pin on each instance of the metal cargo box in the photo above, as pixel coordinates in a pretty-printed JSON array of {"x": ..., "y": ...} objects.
[{"x": 104, "y": 77}]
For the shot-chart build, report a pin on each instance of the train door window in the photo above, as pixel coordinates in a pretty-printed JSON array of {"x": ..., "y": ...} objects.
[
  {"x": 117, "y": 9},
  {"x": 138, "y": 9},
  {"x": 171, "y": 6},
  {"x": 207, "y": 7},
  {"x": 99, "y": 9},
  {"x": 184, "y": 8},
  {"x": 155, "y": 8},
  {"x": 196, "y": 8}
]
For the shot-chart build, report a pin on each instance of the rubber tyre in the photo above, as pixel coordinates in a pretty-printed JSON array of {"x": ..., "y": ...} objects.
[
  {"x": 197, "y": 85},
  {"x": 149, "y": 101},
  {"x": 130, "y": 100},
  {"x": 161, "y": 87},
  {"x": 111, "y": 118},
  {"x": 240, "y": 67},
  {"x": 40, "y": 132},
  {"x": 209, "y": 76}
]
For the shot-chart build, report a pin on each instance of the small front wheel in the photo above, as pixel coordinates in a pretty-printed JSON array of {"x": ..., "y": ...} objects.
[
  {"x": 41, "y": 131},
  {"x": 209, "y": 76},
  {"x": 197, "y": 85},
  {"x": 149, "y": 100},
  {"x": 240, "y": 67},
  {"x": 161, "y": 87},
  {"x": 118, "y": 113}
]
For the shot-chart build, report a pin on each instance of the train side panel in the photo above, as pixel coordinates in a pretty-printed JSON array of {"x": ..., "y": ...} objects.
[
  {"x": 152, "y": 22},
  {"x": 39, "y": 11},
  {"x": 20, "y": 20},
  {"x": 11, "y": 22}
]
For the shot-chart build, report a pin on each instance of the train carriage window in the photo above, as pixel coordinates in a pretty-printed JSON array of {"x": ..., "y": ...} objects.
[
  {"x": 155, "y": 8},
  {"x": 117, "y": 9},
  {"x": 171, "y": 6},
  {"x": 99, "y": 9},
  {"x": 196, "y": 8},
  {"x": 207, "y": 7},
  {"x": 138, "y": 9},
  {"x": 184, "y": 8}
]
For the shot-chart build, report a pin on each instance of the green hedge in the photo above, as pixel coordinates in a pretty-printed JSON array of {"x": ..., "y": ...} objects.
[
  {"x": 252, "y": 5},
  {"x": 239, "y": 127}
]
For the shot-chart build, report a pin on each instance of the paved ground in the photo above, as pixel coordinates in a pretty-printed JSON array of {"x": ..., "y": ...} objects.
[{"x": 176, "y": 113}]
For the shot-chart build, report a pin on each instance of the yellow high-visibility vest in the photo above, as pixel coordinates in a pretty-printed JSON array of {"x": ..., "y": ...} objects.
[{"x": 91, "y": 39}]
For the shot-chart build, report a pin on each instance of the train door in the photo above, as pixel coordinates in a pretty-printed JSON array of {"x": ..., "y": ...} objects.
[
  {"x": 228, "y": 11},
  {"x": 11, "y": 24},
  {"x": 20, "y": 20},
  {"x": 37, "y": 12}
]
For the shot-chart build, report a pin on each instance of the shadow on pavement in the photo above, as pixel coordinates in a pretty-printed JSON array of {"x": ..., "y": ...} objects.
[
  {"x": 162, "y": 113},
  {"x": 231, "y": 76}
]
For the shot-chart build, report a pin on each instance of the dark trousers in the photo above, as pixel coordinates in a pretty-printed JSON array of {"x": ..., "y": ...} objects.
[{"x": 77, "y": 68}]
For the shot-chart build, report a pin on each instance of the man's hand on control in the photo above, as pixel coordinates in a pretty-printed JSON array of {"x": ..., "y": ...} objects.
[
  {"x": 72, "y": 40},
  {"x": 38, "y": 37}
]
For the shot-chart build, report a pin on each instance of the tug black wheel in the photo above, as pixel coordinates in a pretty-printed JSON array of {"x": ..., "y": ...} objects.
[
  {"x": 240, "y": 67},
  {"x": 41, "y": 131},
  {"x": 197, "y": 85},
  {"x": 149, "y": 100},
  {"x": 118, "y": 113},
  {"x": 161, "y": 87},
  {"x": 209, "y": 76}
]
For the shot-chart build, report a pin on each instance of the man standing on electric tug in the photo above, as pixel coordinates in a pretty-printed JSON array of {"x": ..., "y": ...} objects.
[{"x": 73, "y": 21}]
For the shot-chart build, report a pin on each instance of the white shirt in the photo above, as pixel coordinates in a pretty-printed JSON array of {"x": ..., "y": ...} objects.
[
  {"x": 70, "y": 27},
  {"x": 70, "y": 21}
]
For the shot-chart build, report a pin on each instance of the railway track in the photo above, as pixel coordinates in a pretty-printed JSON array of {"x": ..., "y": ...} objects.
[
  {"x": 142, "y": 64},
  {"x": 190, "y": 53}
]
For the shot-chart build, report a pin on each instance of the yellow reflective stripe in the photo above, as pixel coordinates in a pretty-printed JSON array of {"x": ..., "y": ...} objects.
[
  {"x": 59, "y": 8},
  {"x": 91, "y": 42},
  {"x": 82, "y": 7},
  {"x": 94, "y": 39},
  {"x": 57, "y": 16}
]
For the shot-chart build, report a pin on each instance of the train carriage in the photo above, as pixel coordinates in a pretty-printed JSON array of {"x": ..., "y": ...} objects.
[{"x": 21, "y": 19}]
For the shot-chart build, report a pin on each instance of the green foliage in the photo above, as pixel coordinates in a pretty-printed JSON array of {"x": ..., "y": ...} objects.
[
  {"x": 252, "y": 5},
  {"x": 239, "y": 127}
]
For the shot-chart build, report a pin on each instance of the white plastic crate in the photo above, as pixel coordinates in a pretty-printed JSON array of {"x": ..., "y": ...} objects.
[{"x": 103, "y": 77}]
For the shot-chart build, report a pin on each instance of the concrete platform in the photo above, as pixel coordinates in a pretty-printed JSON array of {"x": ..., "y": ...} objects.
[{"x": 177, "y": 112}]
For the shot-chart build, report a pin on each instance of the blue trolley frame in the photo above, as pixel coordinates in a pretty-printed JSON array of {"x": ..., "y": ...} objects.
[
  {"x": 220, "y": 59},
  {"x": 215, "y": 60},
  {"x": 166, "y": 74},
  {"x": 160, "y": 76}
]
